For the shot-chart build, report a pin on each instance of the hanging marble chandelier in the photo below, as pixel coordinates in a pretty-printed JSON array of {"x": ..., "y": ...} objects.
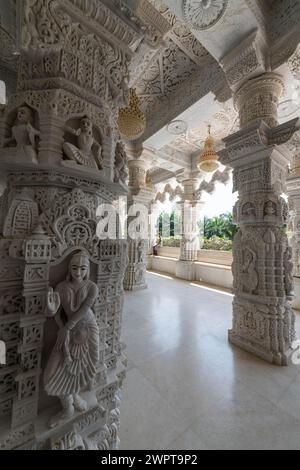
[
  {"x": 131, "y": 120},
  {"x": 209, "y": 159}
]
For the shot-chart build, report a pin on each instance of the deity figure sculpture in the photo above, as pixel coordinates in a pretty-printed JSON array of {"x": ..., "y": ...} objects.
[
  {"x": 24, "y": 136},
  {"x": 71, "y": 367},
  {"x": 121, "y": 173},
  {"x": 269, "y": 211},
  {"x": 83, "y": 153},
  {"x": 248, "y": 210}
]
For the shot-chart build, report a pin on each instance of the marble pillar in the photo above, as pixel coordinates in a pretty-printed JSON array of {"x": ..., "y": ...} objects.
[
  {"x": 61, "y": 287},
  {"x": 293, "y": 192},
  {"x": 138, "y": 206},
  {"x": 189, "y": 208},
  {"x": 263, "y": 320}
]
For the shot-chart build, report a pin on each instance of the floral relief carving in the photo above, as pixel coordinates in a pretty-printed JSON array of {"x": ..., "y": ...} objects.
[{"x": 44, "y": 24}]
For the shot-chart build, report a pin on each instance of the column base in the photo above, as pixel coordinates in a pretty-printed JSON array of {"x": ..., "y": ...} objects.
[
  {"x": 136, "y": 287},
  {"x": 279, "y": 359},
  {"x": 185, "y": 270},
  {"x": 266, "y": 330}
]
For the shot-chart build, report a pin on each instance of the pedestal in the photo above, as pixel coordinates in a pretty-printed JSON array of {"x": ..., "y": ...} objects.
[{"x": 185, "y": 270}]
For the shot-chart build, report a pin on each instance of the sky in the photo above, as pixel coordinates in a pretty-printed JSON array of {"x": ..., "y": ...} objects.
[{"x": 219, "y": 202}]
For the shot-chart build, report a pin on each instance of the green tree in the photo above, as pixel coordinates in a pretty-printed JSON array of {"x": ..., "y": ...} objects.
[
  {"x": 168, "y": 224},
  {"x": 220, "y": 226}
]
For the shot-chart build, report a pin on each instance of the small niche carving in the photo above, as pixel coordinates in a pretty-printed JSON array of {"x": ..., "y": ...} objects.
[
  {"x": 248, "y": 210},
  {"x": 270, "y": 210}
]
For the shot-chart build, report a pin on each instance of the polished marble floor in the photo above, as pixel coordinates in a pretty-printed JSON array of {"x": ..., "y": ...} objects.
[{"x": 188, "y": 388}]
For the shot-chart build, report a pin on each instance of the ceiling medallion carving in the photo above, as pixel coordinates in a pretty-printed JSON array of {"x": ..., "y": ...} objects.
[
  {"x": 203, "y": 14},
  {"x": 177, "y": 127}
]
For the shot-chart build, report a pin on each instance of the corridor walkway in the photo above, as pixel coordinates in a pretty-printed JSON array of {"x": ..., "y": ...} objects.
[{"x": 188, "y": 388}]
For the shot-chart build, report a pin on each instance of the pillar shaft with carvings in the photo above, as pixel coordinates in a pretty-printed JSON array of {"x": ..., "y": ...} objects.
[
  {"x": 60, "y": 150},
  {"x": 138, "y": 204},
  {"x": 189, "y": 208},
  {"x": 293, "y": 191},
  {"x": 263, "y": 320}
]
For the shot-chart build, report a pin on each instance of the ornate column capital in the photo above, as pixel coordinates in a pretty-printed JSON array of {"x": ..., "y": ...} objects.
[
  {"x": 258, "y": 98},
  {"x": 252, "y": 142},
  {"x": 137, "y": 174},
  {"x": 248, "y": 60}
]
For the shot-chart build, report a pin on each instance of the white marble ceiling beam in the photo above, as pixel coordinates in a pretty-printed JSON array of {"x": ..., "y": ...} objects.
[{"x": 222, "y": 25}]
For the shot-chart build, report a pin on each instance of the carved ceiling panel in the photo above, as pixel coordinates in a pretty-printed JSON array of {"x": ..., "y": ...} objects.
[
  {"x": 8, "y": 34},
  {"x": 203, "y": 14},
  {"x": 181, "y": 34},
  {"x": 223, "y": 123},
  {"x": 170, "y": 68},
  {"x": 157, "y": 72},
  {"x": 284, "y": 15}
]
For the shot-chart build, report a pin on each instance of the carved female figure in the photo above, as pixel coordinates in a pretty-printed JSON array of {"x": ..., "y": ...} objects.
[
  {"x": 121, "y": 172},
  {"x": 24, "y": 135},
  {"x": 288, "y": 267},
  {"x": 249, "y": 276},
  {"x": 83, "y": 153},
  {"x": 72, "y": 364}
]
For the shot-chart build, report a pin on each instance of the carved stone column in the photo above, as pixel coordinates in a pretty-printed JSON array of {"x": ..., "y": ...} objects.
[
  {"x": 293, "y": 191},
  {"x": 139, "y": 197},
  {"x": 60, "y": 151},
  {"x": 263, "y": 320},
  {"x": 189, "y": 245}
]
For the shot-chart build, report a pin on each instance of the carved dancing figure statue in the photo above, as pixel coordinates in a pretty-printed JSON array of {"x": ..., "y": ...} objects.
[
  {"x": 83, "y": 153},
  {"x": 249, "y": 276},
  {"x": 140, "y": 251},
  {"x": 121, "y": 173},
  {"x": 71, "y": 367},
  {"x": 288, "y": 267},
  {"x": 24, "y": 135}
]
